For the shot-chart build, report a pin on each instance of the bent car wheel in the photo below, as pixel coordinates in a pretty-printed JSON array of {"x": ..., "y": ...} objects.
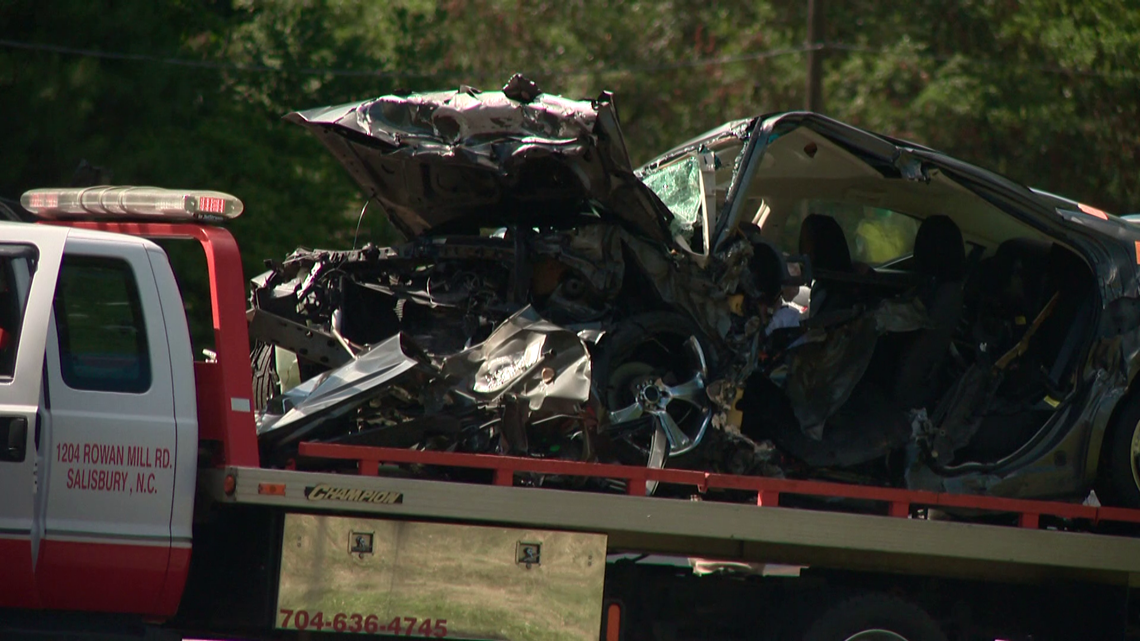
[
  {"x": 654, "y": 366},
  {"x": 1120, "y": 458},
  {"x": 875, "y": 617},
  {"x": 265, "y": 381}
]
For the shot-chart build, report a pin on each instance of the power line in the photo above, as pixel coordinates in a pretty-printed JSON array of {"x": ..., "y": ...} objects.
[
  {"x": 184, "y": 62},
  {"x": 377, "y": 73},
  {"x": 1122, "y": 74},
  {"x": 566, "y": 72}
]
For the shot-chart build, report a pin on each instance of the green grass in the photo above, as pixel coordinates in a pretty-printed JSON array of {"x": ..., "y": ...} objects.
[{"x": 466, "y": 575}]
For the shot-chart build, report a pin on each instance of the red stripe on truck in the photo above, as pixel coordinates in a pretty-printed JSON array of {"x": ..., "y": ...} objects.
[
  {"x": 176, "y": 572},
  {"x": 104, "y": 577},
  {"x": 17, "y": 582}
]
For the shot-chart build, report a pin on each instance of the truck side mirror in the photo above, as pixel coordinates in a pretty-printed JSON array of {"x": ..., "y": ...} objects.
[{"x": 13, "y": 438}]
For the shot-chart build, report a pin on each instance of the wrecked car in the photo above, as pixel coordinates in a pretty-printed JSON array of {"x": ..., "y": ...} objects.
[
  {"x": 785, "y": 295},
  {"x": 545, "y": 302},
  {"x": 963, "y": 332}
]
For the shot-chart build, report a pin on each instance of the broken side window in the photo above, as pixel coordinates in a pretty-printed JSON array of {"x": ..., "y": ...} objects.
[{"x": 678, "y": 185}]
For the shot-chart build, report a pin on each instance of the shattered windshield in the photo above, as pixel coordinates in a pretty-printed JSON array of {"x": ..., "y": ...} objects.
[{"x": 678, "y": 185}]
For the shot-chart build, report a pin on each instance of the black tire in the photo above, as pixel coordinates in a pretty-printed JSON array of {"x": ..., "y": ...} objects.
[
  {"x": 874, "y": 617},
  {"x": 266, "y": 384},
  {"x": 1120, "y": 471}
]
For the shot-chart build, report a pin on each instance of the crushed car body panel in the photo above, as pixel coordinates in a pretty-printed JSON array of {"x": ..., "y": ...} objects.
[
  {"x": 535, "y": 358},
  {"x": 468, "y": 159},
  {"x": 992, "y": 360},
  {"x": 526, "y": 357},
  {"x": 339, "y": 390}
]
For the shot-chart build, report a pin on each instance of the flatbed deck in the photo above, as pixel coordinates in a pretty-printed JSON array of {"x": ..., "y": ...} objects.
[{"x": 899, "y": 540}]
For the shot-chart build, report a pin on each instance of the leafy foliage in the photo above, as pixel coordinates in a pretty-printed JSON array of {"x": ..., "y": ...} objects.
[{"x": 190, "y": 92}]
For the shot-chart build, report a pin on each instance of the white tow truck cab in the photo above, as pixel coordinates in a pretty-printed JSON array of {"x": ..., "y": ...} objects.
[
  {"x": 134, "y": 503},
  {"x": 99, "y": 407},
  {"x": 99, "y": 420}
]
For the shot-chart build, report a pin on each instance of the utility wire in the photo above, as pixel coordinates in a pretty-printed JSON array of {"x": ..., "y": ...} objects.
[
  {"x": 1122, "y": 73},
  {"x": 608, "y": 70},
  {"x": 184, "y": 62},
  {"x": 377, "y": 73}
]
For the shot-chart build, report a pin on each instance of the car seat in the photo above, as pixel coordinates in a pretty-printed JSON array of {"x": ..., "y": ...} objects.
[
  {"x": 939, "y": 254},
  {"x": 823, "y": 242},
  {"x": 1053, "y": 350},
  {"x": 1012, "y": 291},
  {"x": 1019, "y": 281}
]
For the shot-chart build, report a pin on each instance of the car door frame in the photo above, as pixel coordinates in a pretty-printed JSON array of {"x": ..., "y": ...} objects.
[
  {"x": 21, "y": 526},
  {"x": 128, "y": 553}
]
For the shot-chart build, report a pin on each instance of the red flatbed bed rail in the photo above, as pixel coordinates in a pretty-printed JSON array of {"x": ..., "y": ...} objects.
[{"x": 768, "y": 491}]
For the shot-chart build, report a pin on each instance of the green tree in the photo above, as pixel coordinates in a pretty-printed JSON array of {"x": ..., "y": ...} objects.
[{"x": 1042, "y": 90}]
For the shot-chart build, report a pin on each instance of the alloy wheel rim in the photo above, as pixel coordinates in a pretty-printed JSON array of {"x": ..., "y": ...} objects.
[{"x": 652, "y": 396}]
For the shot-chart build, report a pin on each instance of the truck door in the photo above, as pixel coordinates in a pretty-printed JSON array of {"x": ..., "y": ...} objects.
[
  {"x": 110, "y": 405},
  {"x": 28, "y": 260}
]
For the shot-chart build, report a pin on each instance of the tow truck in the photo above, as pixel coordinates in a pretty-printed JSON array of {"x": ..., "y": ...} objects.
[{"x": 136, "y": 505}]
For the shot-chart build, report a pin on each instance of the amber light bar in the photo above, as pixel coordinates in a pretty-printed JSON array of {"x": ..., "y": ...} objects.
[{"x": 132, "y": 202}]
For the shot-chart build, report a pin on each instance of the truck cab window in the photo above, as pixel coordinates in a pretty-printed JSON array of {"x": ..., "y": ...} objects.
[
  {"x": 102, "y": 335},
  {"x": 17, "y": 264}
]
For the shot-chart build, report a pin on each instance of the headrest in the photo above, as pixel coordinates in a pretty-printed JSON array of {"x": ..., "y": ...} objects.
[
  {"x": 939, "y": 250},
  {"x": 822, "y": 240}
]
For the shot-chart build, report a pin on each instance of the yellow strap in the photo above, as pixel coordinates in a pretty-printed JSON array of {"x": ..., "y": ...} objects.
[{"x": 1023, "y": 344}]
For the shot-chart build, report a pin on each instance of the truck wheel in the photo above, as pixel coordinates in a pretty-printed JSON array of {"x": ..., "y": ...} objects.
[
  {"x": 655, "y": 365},
  {"x": 874, "y": 617},
  {"x": 1119, "y": 458}
]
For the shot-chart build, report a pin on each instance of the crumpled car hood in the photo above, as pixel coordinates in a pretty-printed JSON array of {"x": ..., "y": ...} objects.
[
  {"x": 484, "y": 371},
  {"x": 457, "y": 161},
  {"x": 337, "y": 391}
]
